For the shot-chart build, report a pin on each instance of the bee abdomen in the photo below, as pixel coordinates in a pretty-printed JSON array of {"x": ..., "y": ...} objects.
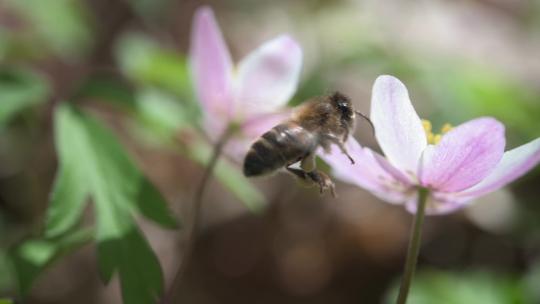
[{"x": 274, "y": 149}]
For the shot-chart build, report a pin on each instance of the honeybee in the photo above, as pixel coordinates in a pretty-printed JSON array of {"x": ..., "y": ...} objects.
[{"x": 318, "y": 122}]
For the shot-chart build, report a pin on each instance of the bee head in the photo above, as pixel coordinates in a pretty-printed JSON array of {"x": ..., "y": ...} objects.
[{"x": 342, "y": 104}]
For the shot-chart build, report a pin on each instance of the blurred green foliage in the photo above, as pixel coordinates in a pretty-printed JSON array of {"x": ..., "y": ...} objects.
[
  {"x": 147, "y": 63},
  {"x": 479, "y": 287},
  {"x": 107, "y": 88},
  {"x": 20, "y": 89},
  {"x": 480, "y": 91},
  {"x": 62, "y": 28}
]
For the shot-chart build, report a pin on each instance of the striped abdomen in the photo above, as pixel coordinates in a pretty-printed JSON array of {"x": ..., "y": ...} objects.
[{"x": 282, "y": 145}]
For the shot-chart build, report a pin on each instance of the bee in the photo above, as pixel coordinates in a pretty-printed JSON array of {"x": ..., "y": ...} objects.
[{"x": 318, "y": 122}]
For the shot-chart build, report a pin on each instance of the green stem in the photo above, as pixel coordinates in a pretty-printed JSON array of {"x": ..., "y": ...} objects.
[
  {"x": 414, "y": 247},
  {"x": 196, "y": 216}
]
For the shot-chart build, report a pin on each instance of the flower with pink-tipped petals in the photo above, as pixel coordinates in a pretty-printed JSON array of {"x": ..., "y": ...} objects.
[
  {"x": 251, "y": 95},
  {"x": 456, "y": 167}
]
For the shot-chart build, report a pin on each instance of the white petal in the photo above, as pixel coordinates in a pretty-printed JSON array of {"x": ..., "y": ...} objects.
[
  {"x": 268, "y": 77},
  {"x": 398, "y": 128}
]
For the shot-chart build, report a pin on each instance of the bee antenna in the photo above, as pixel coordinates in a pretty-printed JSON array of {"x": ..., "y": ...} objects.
[{"x": 368, "y": 120}]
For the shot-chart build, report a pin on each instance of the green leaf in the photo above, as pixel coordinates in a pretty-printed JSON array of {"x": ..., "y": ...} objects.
[
  {"x": 32, "y": 256},
  {"x": 140, "y": 273},
  {"x": 68, "y": 196},
  {"x": 19, "y": 90},
  {"x": 93, "y": 163}
]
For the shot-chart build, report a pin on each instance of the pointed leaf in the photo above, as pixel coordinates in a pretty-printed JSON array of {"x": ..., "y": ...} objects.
[
  {"x": 140, "y": 274},
  {"x": 67, "y": 200},
  {"x": 93, "y": 159}
]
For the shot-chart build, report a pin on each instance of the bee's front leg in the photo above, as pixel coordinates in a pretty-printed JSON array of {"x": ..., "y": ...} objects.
[{"x": 340, "y": 143}]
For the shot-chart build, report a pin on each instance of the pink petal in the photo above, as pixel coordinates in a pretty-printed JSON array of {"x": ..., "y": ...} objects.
[
  {"x": 211, "y": 65},
  {"x": 513, "y": 165},
  {"x": 465, "y": 156},
  {"x": 366, "y": 172},
  {"x": 268, "y": 77},
  {"x": 398, "y": 128}
]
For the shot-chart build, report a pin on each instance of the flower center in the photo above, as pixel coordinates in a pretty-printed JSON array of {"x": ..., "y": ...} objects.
[{"x": 435, "y": 138}]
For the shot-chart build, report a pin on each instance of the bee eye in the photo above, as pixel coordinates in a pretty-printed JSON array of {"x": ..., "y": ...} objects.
[{"x": 344, "y": 108}]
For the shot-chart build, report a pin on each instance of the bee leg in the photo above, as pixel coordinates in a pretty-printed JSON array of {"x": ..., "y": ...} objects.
[
  {"x": 324, "y": 182},
  {"x": 301, "y": 174},
  {"x": 335, "y": 140},
  {"x": 345, "y": 135},
  {"x": 308, "y": 163},
  {"x": 309, "y": 174},
  {"x": 314, "y": 177}
]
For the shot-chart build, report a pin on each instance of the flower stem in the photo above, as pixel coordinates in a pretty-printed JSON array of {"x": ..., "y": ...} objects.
[
  {"x": 414, "y": 247},
  {"x": 195, "y": 216}
]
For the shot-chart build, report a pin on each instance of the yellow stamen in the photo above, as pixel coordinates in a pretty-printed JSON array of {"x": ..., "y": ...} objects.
[
  {"x": 445, "y": 128},
  {"x": 432, "y": 138},
  {"x": 427, "y": 125}
]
